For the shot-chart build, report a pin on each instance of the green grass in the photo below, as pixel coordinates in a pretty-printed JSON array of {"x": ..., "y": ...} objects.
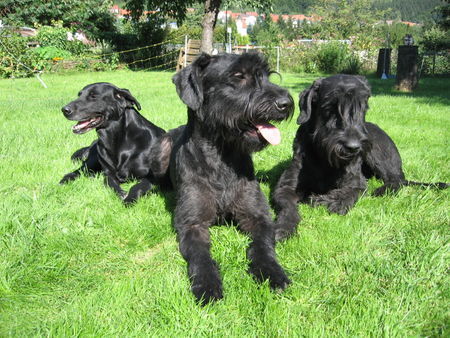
[{"x": 75, "y": 262}]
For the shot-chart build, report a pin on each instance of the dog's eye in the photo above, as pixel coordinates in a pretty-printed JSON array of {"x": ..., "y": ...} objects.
[
  {"x": 92, "y": 95},
  {"x": 239, "y": 76}
]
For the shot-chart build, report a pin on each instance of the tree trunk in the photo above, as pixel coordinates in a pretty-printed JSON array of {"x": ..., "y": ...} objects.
[{"x": 212, "y": 8}]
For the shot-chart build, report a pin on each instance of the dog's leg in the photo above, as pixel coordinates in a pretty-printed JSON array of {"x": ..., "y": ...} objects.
[
  {"x": 193, "y": 216},
  {"x": 90, "y": 166},
  {"x": 256, "y": 221},
  {"x": 383, "y": 161},
  {"x": 114, "y": 184},
  {"x": 285, "y": 199},
  {"x": 338, "y": 201},
  {"x": 83, "y": 153},
  {"x": 138, "y": 190}
]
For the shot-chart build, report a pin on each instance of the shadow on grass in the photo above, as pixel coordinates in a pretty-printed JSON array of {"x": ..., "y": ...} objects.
[
  {"x": 429, "y": 90},
  {"x": 272, "y": 175}
]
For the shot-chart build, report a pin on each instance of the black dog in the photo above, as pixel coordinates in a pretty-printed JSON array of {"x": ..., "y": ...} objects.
[
  {"x": 123, "y": 150},
  {"x": 335, "y": 152},
  {"x": 230, "y": 103}
]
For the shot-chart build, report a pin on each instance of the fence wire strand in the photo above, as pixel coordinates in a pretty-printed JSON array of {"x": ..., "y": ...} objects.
[{"x": 37, "y": 72}]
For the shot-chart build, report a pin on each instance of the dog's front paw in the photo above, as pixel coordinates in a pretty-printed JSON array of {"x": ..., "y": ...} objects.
[
  {"x": 336, "y": 206},
  {"x": 127, "y": 199},
  {"x": 284, "y": 233},
  {"x": 207, "y": 287},
  {"x": 269, "y": 269},
  {"x": 68, "y": 177}
]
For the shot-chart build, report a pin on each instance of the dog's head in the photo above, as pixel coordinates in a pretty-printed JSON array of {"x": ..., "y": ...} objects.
[
  {"x": 333, "y": 111},
  {"x": 98, "y": 104},
  {"x": 231, "y": 97}
]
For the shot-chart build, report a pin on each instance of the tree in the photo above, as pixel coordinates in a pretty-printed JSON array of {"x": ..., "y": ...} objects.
[
  {"x": 177, "y": 9},
  {"x": 92, "y": 16},
  {"x": 344, "y": 18},
  {"x": 437, "y": 37}
]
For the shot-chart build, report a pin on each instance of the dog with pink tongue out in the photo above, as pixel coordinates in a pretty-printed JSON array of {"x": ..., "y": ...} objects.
[{"x": 230, "y": 104}]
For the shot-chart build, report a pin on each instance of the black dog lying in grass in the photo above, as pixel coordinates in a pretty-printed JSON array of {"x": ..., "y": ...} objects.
[
  {"x": 123, "y": 150},
  {"x": 230, "y": 103},
  {"x": 335, "y": 152}
]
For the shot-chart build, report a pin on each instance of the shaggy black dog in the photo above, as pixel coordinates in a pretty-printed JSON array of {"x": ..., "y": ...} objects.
[
  {"x": 123, "y": 150},
  {"x": 230, "y": 103},
  {"x": 335, "y": 152}
]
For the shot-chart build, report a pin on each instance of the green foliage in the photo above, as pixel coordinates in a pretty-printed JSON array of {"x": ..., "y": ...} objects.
[
  {"x": 57, "y": 36},
  {"x": 92, "y": 16},
  {"x": 177, "y": 9},
  {"x": 397, "y": 32},
  {"x": 408, "y": 10},
  {"x": 242, "y": 40},
  {"x": 266, "y": 33},
  {"x": 50, "y": 53},
  {"x": 144, "y": 39},
  {"x": 331, "y": 57},
  {"x": 15, "y": 57},
  {"x": 292, "y": 6},
  {"x": 436, "y": 38},
  {"x": 299, "y": 58},
  {"x": 341, "y": 19},
  {"x": 352, "y": 65},
  {"x": 442, "y": 15},
  {"x": 435, "y": 63}
]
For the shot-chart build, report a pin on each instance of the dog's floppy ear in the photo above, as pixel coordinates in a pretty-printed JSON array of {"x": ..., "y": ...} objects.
[
  {"x": 188, "y": 82},
  {"x": 365, "y": 83},
  {"x": 124, "y": 94},
  {"x": 307, "y": 98}
]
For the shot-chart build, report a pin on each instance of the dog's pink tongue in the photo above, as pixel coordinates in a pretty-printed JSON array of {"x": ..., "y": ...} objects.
[
  {"x": 80, "y": 125},
  {"x": 270, "y": 133}
]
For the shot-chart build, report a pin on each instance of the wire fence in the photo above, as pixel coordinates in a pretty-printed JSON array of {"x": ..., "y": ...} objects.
[
  {"x": 164, "y": 56},
  {"x": 19, "y": 62}
]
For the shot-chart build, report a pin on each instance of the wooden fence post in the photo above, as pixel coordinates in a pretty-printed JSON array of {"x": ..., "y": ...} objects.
[{"x": 407, "y": 78}]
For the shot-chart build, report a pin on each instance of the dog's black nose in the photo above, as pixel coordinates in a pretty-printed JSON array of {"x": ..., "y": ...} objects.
[
  {"x": 66, "y": 110},
  {"x": 352, "y": 145},
  {"x": 283, "y": 103}
]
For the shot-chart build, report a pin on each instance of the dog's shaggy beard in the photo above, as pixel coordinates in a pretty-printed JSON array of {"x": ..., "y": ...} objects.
[
  {"x": 232, "y": 120},
  {"x": 331, "y": 144}
]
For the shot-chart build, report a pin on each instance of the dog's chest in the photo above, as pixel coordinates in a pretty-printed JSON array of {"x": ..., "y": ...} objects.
[
  {"x": 320, "y": 178},
  {"x": 123, "y": 162},
  {"x": 225, "y": 178}
]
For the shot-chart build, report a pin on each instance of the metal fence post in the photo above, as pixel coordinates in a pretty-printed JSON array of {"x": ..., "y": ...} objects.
[
  {"x": 278, "y": 58},
  {"x": 185, "y": 50}
]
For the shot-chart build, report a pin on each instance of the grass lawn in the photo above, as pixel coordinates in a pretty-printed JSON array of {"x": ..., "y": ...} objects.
[{"x": 75, "y": 262}]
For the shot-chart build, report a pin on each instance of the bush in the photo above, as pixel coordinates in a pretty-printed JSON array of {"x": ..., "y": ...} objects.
[
  {"x": 56, "y": 36},
  {"x": 331, "y": 57},
  {"x": 51, "y": 53},
  {"x": 352, "y": 65},
  {"x": 300, "y": 58},
  {"x": 15, "y": 57}
]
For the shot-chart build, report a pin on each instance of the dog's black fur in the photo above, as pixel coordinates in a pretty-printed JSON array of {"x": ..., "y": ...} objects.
[
  {"x": 335, "y": 152},
  {"x": 229, "y": 97},
  {"x": 123, "y": 150}
]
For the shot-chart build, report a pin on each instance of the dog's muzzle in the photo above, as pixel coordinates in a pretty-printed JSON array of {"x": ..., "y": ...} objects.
[{"x": 84, "y": 124}]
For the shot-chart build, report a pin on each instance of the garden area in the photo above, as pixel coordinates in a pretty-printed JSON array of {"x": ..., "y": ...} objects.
[
  {"x": 335, "y": 38},
  {"x": 76, "y": 262}
]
